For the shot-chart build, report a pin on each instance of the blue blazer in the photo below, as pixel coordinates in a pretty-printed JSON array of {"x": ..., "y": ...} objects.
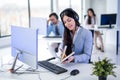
[
  {"x": 51, "y": 28},
  {"x": 82, "y": 45}
]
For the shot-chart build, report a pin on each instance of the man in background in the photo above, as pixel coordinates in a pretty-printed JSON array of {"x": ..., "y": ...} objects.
[
  {"x": 54, "y": 28},
  {"x": 54, "y": 25}
]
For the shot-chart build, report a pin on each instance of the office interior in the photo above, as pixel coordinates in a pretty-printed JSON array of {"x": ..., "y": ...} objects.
[{"x": 21, "y": 13}]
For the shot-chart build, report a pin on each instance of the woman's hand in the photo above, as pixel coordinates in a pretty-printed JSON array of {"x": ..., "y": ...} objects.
[{"x": 70, "y": 59}]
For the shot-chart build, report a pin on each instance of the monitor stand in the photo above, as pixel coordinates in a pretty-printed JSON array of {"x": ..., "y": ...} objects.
[
  {"x": 110, "y": 26},
  {"x": 13, "y": 70},
  {"x": 29, "y": 70}
]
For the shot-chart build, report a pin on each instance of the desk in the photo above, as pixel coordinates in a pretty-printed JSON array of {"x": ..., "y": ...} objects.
[
  {"x": 49, "y": 45},
  {"x": 85, "y": 73},
  {"x": 49, "y": 40},
  {"x": 113, "y": 38}
]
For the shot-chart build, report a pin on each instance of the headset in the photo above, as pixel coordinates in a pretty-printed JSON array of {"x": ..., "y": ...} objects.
[{"x": 75, "y": 15}]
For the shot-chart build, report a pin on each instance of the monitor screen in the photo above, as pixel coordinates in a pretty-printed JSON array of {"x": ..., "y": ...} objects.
[
  {"x": 25, "y": 41},
  {"x": 108, "y": 19},
  {"x": 39, "y": 23}
]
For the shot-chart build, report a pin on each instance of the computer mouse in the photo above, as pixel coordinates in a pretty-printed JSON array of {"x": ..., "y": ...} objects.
[{"x": 74, "y": 72}]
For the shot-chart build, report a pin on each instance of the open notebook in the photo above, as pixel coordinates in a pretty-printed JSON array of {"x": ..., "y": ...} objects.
[{"x": 65, "y": 58}]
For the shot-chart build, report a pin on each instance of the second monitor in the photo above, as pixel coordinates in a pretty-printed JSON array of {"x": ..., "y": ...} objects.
[{"x": 108, "y": 19}]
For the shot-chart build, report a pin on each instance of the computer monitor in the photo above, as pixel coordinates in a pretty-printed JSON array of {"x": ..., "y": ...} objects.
[
  {"x": 108, "y": 19},
  {"x": 24, "y": 45},
  {"x": 40, "y": 24}
]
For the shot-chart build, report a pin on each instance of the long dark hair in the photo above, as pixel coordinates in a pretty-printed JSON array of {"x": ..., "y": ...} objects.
[
  {"x": 89, "y": 18},
  {"x": 68, "y": 41}
]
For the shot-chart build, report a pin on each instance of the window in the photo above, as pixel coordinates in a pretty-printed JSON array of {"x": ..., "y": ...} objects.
[
  {"x": 74, "y": 4},
  {"x": 77, "y": 6},
  {"x": 40, "y": 8},
  {"x": 13, "y": 12}
]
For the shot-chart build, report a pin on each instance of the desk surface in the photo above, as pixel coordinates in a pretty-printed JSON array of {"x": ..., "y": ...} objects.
[
  {"x": 104, "y": 29},
  {"x": 50, "y": 40},
  {"x": 85, "y": 73}
]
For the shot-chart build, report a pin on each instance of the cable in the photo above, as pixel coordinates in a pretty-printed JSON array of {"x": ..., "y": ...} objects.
[
  {"x": 31, "y": 71},
  {"x": 66, "y": 77},
  {"x": 39, "y": 76},
  {"x": 50, "y": 59},
  {"x": 2, "y": 71}
]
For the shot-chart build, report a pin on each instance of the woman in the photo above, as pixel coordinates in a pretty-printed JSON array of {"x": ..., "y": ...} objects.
[
  {"x": 90, "y": 22},
  {"x": 76, "y": 38}
]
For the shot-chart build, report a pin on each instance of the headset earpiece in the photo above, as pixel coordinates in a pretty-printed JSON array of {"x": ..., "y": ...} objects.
[{"x": 76, "y": 16}]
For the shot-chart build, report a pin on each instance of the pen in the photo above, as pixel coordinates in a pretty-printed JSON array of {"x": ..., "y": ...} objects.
[{"x": 63, "y": 54}]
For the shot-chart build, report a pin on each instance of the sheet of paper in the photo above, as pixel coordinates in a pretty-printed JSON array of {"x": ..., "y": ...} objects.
[{"x": 67, "y": 57}]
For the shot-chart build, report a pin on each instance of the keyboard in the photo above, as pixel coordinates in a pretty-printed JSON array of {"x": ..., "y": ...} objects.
[{"x": 52, "y": 67}]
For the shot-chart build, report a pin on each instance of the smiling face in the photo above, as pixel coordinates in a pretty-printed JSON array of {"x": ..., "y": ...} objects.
[
  {"x": 69, "y": 23},
  {"x": 90, "y": 13}
]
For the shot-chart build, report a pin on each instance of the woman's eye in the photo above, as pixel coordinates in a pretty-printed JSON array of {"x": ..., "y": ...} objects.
[{"x": 69, "y": 20}]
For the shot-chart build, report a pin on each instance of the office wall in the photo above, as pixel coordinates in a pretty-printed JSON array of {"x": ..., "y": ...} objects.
[
  {"x": 111, "y": 6},
  {"x": 99, "y": 7},
  {"x": 86, "y": 5}
]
